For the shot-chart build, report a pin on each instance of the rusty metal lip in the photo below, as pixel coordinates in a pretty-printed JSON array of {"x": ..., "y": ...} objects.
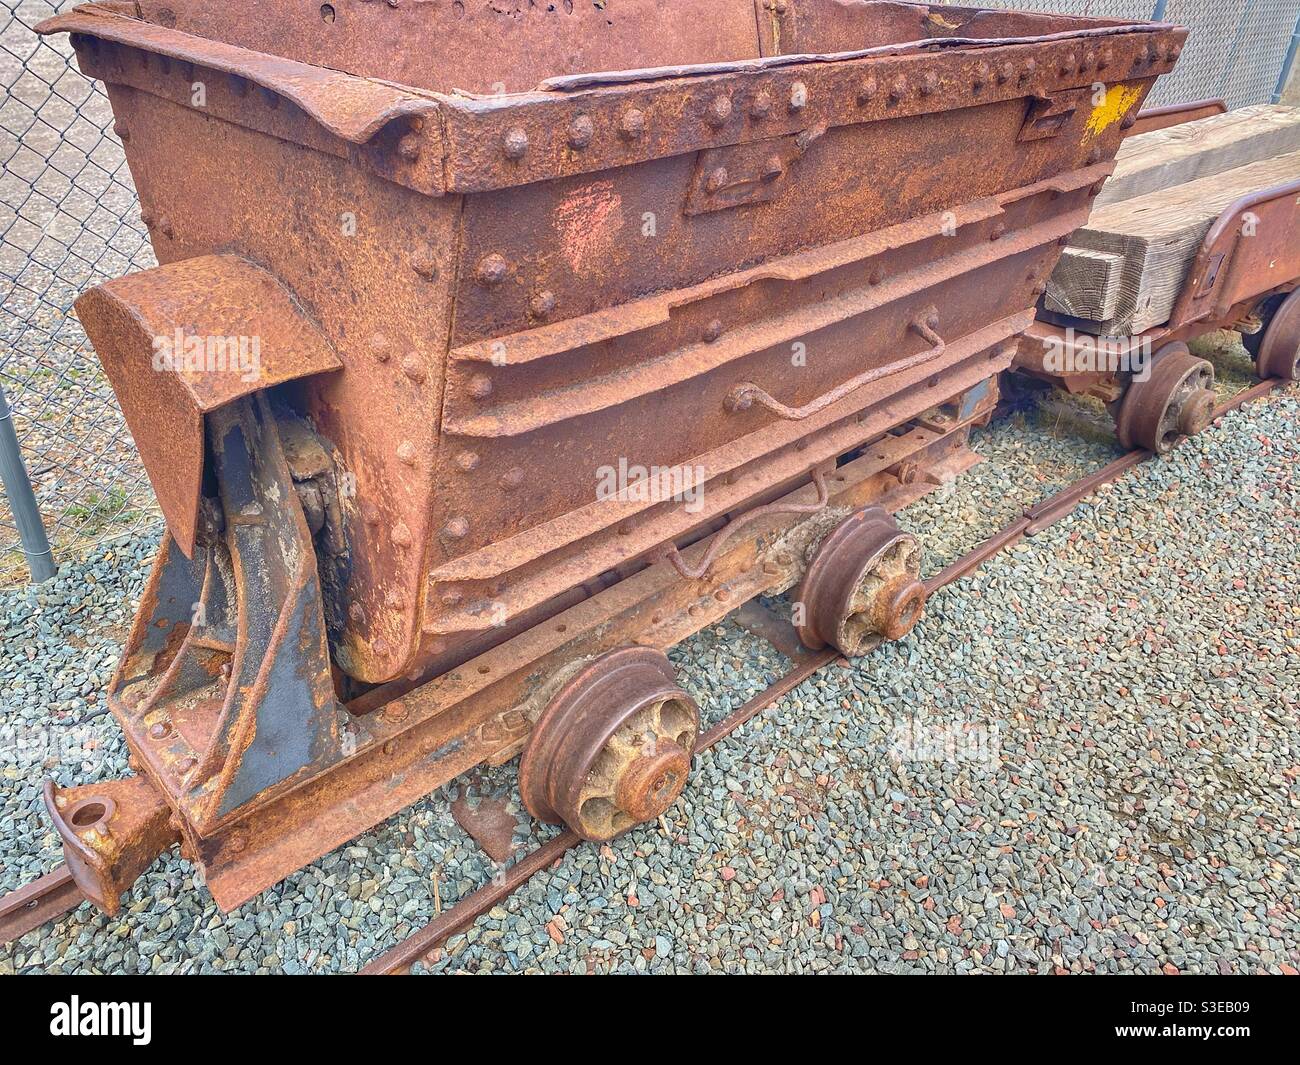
[
  {"x": 570, "y": 82},
  {"x": 328, "y": 96}
]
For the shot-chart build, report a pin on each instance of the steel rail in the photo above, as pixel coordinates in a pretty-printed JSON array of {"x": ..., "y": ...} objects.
[{"x": 56, "y": 893}]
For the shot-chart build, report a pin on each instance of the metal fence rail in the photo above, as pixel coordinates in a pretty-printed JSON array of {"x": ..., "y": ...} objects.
[{"x": 69, "y": 219}]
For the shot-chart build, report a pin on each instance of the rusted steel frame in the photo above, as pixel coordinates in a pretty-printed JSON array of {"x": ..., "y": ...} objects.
[
  {"x": 731, "y": 472},
  {"x": 681, "y": 114},
  {"x": 480, "y": 711},
  {"x": 569, "y": 82},
  {"x": 350, "y": 107},
  {"x": 1222, "y": 270},
  {"x": 719, "y": 541},
  {"x": 744, "y": 396},
  {"x": 1154, "y": 118},
  {"x": 357, "y": 110},
  {"x": 34, "y": 904}
]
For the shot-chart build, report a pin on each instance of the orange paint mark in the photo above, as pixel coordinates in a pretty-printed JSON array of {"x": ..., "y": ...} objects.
[{"x": 587, "y": 221}]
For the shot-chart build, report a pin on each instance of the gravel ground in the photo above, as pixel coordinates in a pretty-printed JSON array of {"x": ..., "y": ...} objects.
[{"x": 1085, "y": 758}]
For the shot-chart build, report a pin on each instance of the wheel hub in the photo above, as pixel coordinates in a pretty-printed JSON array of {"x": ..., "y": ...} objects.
[
  {"x": 1177, "y": 399},
  {"x": 862, "y": 586},
  {"x": 613, "y": 748}
]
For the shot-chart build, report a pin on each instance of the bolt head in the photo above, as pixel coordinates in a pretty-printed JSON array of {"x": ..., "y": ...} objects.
[
  {"x": 515, "y": 144},
  {"x": 408, "y": 147},
  {"x": 632, "y": 127},
  {"x": 581, "y": 132},
  {"x": 492, "y": 270},
  {"x": 719, "y": 112},
  {"x": 543, "y": 304}
]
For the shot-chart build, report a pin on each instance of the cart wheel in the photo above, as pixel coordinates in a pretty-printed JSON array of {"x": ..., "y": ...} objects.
[
  {"x": 613, "y": 747},
  {"x": 1177, "y": 399},
  {"x": 1276, "y": 347},
  {"x": 863, "y": 585}
]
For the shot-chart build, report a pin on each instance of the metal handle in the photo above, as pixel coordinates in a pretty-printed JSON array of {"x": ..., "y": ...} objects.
[
  {"x": 744, "y": 396},
  {"x": 694, "y": 573}
]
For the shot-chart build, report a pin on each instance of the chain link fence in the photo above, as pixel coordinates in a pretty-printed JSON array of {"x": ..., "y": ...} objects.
[{"x": 69, "y": 219}]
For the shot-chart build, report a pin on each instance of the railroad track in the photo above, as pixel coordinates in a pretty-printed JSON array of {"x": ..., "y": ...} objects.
[{"x": 56, "y": 893}]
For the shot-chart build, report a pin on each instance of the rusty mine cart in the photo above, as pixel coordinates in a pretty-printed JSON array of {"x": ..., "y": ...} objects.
[
  {"x": 1243, "y": 277},
  {"x": 490, "y": 253}
]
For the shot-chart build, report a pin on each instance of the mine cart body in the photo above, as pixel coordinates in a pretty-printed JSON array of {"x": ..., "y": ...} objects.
[{"x": 499, "y": 257}]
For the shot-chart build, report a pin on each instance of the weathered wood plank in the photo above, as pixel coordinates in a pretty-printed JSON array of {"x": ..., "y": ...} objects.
[
  {"x": 1152, "y": 239},
  {"x": 1173, "y": 156}
]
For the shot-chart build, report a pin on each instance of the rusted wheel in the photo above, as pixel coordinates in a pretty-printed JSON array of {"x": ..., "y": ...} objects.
[
  {"x": 1177, "y": 399},
  {"x": 862, "y": 586},
  {"x": 1276, "y": 347},
  {"x": 613, "y": 747}
]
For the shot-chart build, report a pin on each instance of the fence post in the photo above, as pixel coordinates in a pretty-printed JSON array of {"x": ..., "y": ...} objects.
[
  {"x": 1288, "y": 63},
  {"x": 22, "y": 500},
  {"x": 1158, "y": 15}
]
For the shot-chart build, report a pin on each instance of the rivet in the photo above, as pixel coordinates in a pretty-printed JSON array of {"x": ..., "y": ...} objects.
[
  {"x": 356, "y": 611},
  {"x": 513, "y": 478},
  {"x": 718, "y": 179},
  {"x": 370, "y": 514},
  {"x": 625, "y": 529},
  {"x": 1029, "y": 70},
  {"x": 713, "y": 330},
  {"x": 1089, "y": 60},
  {"x": 238, "y": 842},
  {"x": 983, "y": 72},
  {"x": 492, "y": 270},
  {"x": 396, "y": 711},
  {"x": 414, "y": 369},
  {"x": 390, "y": 747},
  {"x": 542, "y": 305},
  {"x": 719, "y": 111},
  {"x": 379, "y": 347},
  {"x": 929, "y": 84},
  {"x": 897, "y": 89},
  {"x": 147, "y": 218},
  {"x": 998, "y": 231},
  {"x": 632, "y": 127},
  {"x": 165, "y": 224},
  {"x": 401, "y": 534},
  {"x": 185, "y": 765},
  {"x": 425, "y": 266},
  {"x": 160, "y": 729},
  {"x": 773, "y": 167},
  {"x": 798, "y": 96},
  {"x": 867, "y": 92},
  {"x": 1129, "y": 121},
  {"x": 457, "y": 528},
  {"x": 1175, "y": 50},
  {"x": 1094, "y": 156},
  {"x": 515, "y": 144},
  {"x": 1006, "y": 71},
  {"x": 380, "y": 646},
  {"x": 1105, "y": 58},
  {"x": 1069, "y": 63},
  {"x": 408, "y": 147},
  {"x": 480, "y": 386},
  {"x": 406, "y": 452},
  {"x": 122, "y": 132},
  {"x": 1040, "y": 288},
  {"x": 581, "y": 130},
  {"x": 761, "y": 106},
  {"x": 877, "y": 275},
  {"x": 467, "y": 460}
]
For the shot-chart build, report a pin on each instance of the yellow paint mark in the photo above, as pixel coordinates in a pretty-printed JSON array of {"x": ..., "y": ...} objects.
[
  {"x": 1119, "y": 100},
  {"x": 939, "y": 20}
]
